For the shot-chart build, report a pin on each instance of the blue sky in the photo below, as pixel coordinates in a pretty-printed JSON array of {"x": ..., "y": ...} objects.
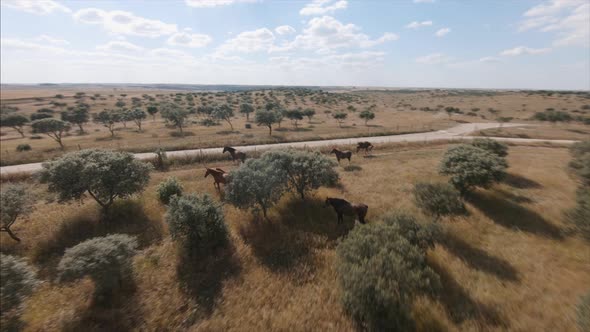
[{"x": 401, "y": 43}]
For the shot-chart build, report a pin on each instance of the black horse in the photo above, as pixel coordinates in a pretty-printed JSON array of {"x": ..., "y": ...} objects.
[
  {"x": 235, "y": 154},
  {"x": 343, "y": 207}
]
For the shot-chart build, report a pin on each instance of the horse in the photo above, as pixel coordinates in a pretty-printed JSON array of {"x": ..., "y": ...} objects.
[
  {"x": 367, "y": 146},
  {"x": 342, "y": 154},
  {"x": 219, "y": 176},
  {"x": 343, "y": 207},
  {"x": 235, "y": 154}
]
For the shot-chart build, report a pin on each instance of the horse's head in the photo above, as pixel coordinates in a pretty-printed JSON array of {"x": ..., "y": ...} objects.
[
  {"x": 227, "y": 148},
  {"x": 333, "y": 150},
  {"x": 327, "y": 203},
  {"x": 207, "y": 171}
]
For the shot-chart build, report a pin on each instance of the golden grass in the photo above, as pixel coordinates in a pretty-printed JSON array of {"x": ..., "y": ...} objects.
[{"x": 507, "y": 265}]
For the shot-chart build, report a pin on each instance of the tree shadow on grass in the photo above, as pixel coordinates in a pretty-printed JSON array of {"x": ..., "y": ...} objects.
[
  {"x": 520, "y": 182},
  {"x": 512, "y": 215},
  {"x": 124, "y": 217},
  {"x": 479, "y": 259},
  {"x": 519, "y": 199},
  {"x": 202, "y": 276},
  {"x": 460, "y": 305}
]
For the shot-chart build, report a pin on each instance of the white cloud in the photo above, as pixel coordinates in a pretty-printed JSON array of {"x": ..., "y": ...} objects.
[
  {"x": 38, "y": 7},
  {"x": 249, "y": 41},
  {"x": 284, "y": 30},
  {"x": 424, "y": 1},
  {"x": 125, "y": 23},
  {"x": 10, "y": 44},
  {"x": 320, "y": 7},
  {"x": 433, "y": 59},
  {"x": 325, "y": 34},
  {"x": 416, "y": 24},
  {"x": 522, "y": 50},
  {"x": 119, "y": 46},
  {"x": 213, "y": 3},
  {"x": 488, "y": 59},
  {"x": 51, "y": 40},
  {"x": 442, "y": 32},
  {"x": 569, "y": 19},
  {"x": 186, "y": 39}
]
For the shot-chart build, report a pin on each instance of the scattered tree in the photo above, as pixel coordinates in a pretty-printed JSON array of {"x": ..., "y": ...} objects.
[
  {"x": 39, "y": 116},
  {"x": 309, "y": 113},
  {"x": 137, "y": 115},
  {"x": 438, "y": 199},
  {"x": 152, "y": 110},
  {"x": 78, "y": 116},
  {"x": 579, "y": 216},
  {"x": 492, "y": 146},
  {"x": 340, "y": 117},
  {"x": 580, "y": 163},
  {"x": 246, "y": 109},
  {"x": 267, "y": 119},
  {"x": 108, "y": 119},
  {"x": 15, "y": 202},
  {"x": 169, "y": 188},
  {"x": 224, "y": 112},
  {"x": 367, "y": 116},
  {"x": 53, "y": 128},
  {"x": 174, "y": 115},
  {"x": 104, "y": 175},
  {"x": 294, "y": 116},
  {"x": 14, "y": 121},
  {"x": 17, "y": 281}
]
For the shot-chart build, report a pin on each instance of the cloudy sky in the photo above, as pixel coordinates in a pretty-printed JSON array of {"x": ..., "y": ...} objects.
[{"x": 397, "y": 43}]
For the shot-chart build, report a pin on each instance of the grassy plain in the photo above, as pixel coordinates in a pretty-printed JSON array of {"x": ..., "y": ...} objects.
[{"x": 509, "y": 265}]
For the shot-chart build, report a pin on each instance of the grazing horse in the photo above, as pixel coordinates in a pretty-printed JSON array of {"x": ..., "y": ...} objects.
[
  {"x": 367, "y": 146},
  {"x": 219, "y": 176},
  {"x": 235, "y": 154},
  {"x": 342, "y": 154},
  {"x": 343, "y": 207}
]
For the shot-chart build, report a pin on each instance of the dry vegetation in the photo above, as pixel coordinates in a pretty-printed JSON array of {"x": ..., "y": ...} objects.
[
  {"x": 509, "y": 264},
  {"x": 397, "y": 111}
]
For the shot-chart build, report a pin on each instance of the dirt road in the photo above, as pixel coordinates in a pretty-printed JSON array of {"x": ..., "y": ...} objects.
[{"x": 457, "y": 132}]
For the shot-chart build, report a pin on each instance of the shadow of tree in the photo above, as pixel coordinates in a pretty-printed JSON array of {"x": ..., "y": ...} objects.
[
  {"x": 124, "y": 217},
  {"x": 519, "y": 199},
  {"x": 459, "y": 304},
  {"x": 518, "y": 181},
  {"x": 478, "y": 258},
  {"x": 202, "y": 277},
  {"x": 512, "y": 215}
]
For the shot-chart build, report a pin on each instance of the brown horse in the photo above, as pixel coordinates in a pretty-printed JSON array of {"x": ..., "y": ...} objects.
[
  {"x": 342, "y": 154},
  {"x": 367, "y": 146},
  {"x": 219, "y": 176},
  {"x": 343, "y": 207},
  {"x": 235, "y": 154}
]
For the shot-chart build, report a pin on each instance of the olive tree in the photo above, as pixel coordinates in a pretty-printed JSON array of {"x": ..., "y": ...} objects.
[
  {"x": 295, "y": 116},
  {"x": 380, "y": 273},
  {"x": 367, "y": 116},
  {"x": 267, "y": 119},
  {"x": 152, "y": 110},
  {"x": 105, "y": 175},
  {"x": 106, "y": 260},
  {"x": 225, "y": 113},
  {"x": 340, "y": 117},
  {"x": 137, "y": 116},
  {"x": 17, "y": 281},
  {"x": 580, "y": 163},
  {"x": 197, "y": 223},
  {"x": 53, "y": 128},
  {"x": 305, "y": 171},
  {"x": 492, "y": 146},
  {"x": 169, "y": 188},
  {"x": 78, "y": 116},
  {"x": 174, "y": 116},
  {"x": 438, "y": 199},
  {"x": 257, "y": 185},
  {"x": 309, "y": 113},
  {"x": 14, "y": 121},
  {"x": 107, "y": 118},
  {"x": 246, "y": 109},
  {"x": 471, "y": 167},
  {"x": 15, "y": 202}
]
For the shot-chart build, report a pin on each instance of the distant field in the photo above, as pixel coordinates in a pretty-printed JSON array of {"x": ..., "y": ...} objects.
[
  {"x": 396, "y": 111},
  {"x": 507, "y": 266}
]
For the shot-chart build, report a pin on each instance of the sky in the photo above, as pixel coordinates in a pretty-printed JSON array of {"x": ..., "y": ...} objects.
[{"x": 511, "y": 44}]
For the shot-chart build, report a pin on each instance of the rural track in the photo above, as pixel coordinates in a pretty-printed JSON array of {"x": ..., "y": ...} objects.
[{"x": 460, "y": 131}]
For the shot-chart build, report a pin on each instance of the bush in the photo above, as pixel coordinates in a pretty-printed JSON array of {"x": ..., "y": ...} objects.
[
  {"x": 380, "y": 273},
  {"x": 197, "y": 222},
  {"x": 471, "y": 167},
  {"x": 39, "y": 116},
  {"x": 17, "y": 282},
  {"x": 492, "y": 146},
  {"x": 161, "y": 162},
  {"x": 14, "y": 202},
  {"x": 105, "y": 175},
  {"x": 169, "y": 188},
  {"x": 584, "y": 313},
  {"x": 106, "y": 260},
  {"x": 248, "y": 126},
  {"x": 438, "y": 199},
  {"x": 422, "y": 236},
  {"x": 23, "y": 147},
  {"x": 579, "y": 216},
  {"x": 580, "y": 163}
]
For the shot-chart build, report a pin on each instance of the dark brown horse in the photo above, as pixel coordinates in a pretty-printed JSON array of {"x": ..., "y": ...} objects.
[
  {"x": 342, "y": 154},
  {"x": 235, "y": 154},
  {"x": 343, "y": 207},
  {"x": 367, "y": 146},
  {"x": 219, "y": 176}
]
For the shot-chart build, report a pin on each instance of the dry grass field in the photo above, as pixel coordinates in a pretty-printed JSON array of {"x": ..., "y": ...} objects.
[
  {"x": 509, "y": 265},
  {"x": 396, "y": 112}
]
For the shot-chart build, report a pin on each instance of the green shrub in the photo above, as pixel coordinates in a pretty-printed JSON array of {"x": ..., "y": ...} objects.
[
  {"x": 17, "y": 281},
  {"x": 438, "y": 199},
  {"x": 579, "y": 216},
  {"x": 406, "y": 225},
  {"x": 197, "y": 223},
  {"x": 14, "y": 202},
  {"x": 168, "y": 188},
  {"x": 106, "y": 260},
  {"x": 580, "y": 163},
  {"x": 23, "y": 147},
  {"x": 492, "y": 146},
  {"x": 584, "y": 313},
  {"x": 380, "y": 273},
  {"x": 471, "y": 167}
]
